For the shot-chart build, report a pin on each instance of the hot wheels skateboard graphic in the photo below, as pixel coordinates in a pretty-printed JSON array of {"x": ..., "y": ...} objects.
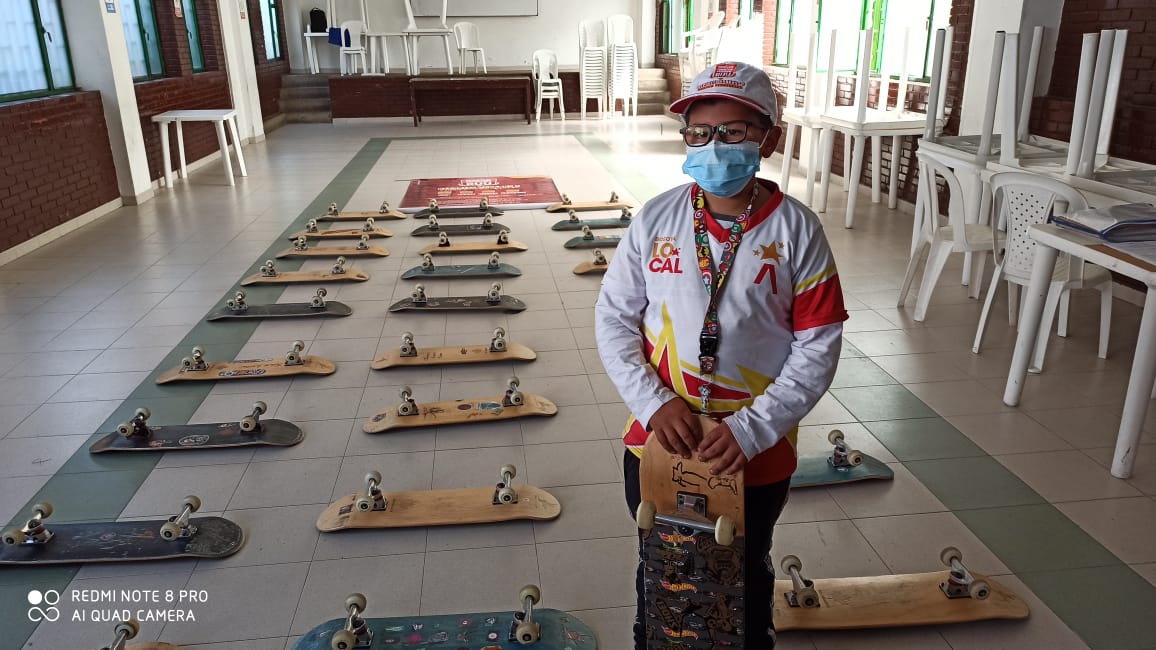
[
  {"x": 494, "y": 268},
  {"x": 237, "y": 308},
  {"x": 195, "y": 368},
  {"x": 566, "y": 205},
  {"x": 486, "y": 227},
  {"x": 311, "y": 231},
  {"x": 596, "y": 267},
  {"x": 301, "y": 248},
  {"x": 843, "y": 465},
  {"x": 492, "y": 301},
  {"x": 270, "y": 275},
  {"x": 574, "y": 223},
  {"x": 590, "y": 240},
  {"x": 384, "y": 212},
  {"x": 503, "y": 245},
  {"x": 409, "y": 354},
  {"x": 138, "y": 435},
  {"x": 409, "y": 414}
]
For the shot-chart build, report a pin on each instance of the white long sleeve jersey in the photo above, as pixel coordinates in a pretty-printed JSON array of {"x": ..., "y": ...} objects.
[{"x": 780, "y": 315}]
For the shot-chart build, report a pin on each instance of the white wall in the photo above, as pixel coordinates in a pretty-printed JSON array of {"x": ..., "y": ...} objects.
[{"x": 509, "y": 41}]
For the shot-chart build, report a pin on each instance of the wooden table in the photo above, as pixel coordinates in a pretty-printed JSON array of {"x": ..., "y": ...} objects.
[
  {"x": 460, "y": 84},
  {"x": 219, "y": 117}
]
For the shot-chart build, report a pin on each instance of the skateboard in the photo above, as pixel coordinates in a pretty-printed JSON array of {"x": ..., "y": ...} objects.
[
  {"x": 270, "y": 275},
  {"x": 492, "y": 301},
  {"x": 363, "y": 249},
  {"x": 486, "y": 227},
  {"x": 492, "y": 269},
  {"x": 126, "y": 631},
  {"x": 384, "y": 212},
  {"x": 409, "y": 414},
  {"x": 237, "y": 308},
  {"x": 527, "y": 628},
  {"x": 588, "y": 240},
  {"x": 843, "y": 465},
  {"x": 566, "y": 205},
  {"x": 693, "y": 551},
  {"x": 574, "y": 223},
  {"x": 955, "y": 595},
  {"x": 195, "y": 368},
  {"x": 499, "y": 349},
  {"x": 313, "y": 232},
  {"x": 482, "y": 210},
  {"x": 251, "y": 430},
  {"x": 502, "y": 245},
  {"x": 597, "y": 267},
  {"x": 377, "y": 509},
  {"x": 178, "y": 536}
]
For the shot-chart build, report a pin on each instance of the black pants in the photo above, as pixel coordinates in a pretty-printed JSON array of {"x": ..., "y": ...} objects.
[{"x": 763, "y": 505}]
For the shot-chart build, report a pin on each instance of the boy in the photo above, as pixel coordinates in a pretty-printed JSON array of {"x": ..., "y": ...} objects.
[{"x": 723, "y": 298}]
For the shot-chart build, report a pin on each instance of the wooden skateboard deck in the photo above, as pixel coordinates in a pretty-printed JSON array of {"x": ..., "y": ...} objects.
[
  {"x": 342, "y": 233},
  {"x": 586, "y": 206},
  {"x": 892, "y": 601},
  {"x": 301, "y": 277},
  {"x": 460, "y": 303},
  {"x": 815, "y": 471},
  {"x": 335, "y": 251},
  {"x": 475, "y": 247},
  {"x": 127, "y": 541},
  {"x": 602, "y": 241},
  {"x": 440, "y": 508},
  {"x": 250, "y": 369},
  {"x": 331, "y": 309},
  {"x": 502, "y": 270},
  {"x": 276, "y": 433},
  {"x": 453, "y": 355},
  {"x": 485, "y": 409},
  {"x": 590, "y": 268},
  {"x": 459, "y": 229},
  {"x": 693, "y": 583},
  {"x": 384, "y": 212},
  {"x": 475, "y": 631}
]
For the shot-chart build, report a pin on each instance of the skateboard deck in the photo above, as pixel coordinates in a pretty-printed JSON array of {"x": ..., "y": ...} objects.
[
  {"x": 454, "y": 354},
  {"x": 384, "y": 212},
  {"x": 586, "y": 206},
  {"x": 597, "y": 266},
  {"x": 462, "y": 229},
  {"x": 480, "y": 210},
  {"x": 574, "y": 223},
  {"x": 693, "y": 575},
  {"x": 250, "y": 368},
  {"x": 342, "y": 233},
  {"x": 502, "y": 270},
  {"x": 485, "y": 409},
  {"x": 301, "y": 277},
  {"x": 331, "y": 309},
  {"x": 460, "y": 303},
  {"x": 814, "y": 471},
  {"x": 440, "y": 508},
  {"x": 475, "y": 631},
  {"x": 601, "y": 241},
  {"x": 335, "y": 251},
  {"x": 138, "y": 435},
  {"x": 475, "y": 247}
]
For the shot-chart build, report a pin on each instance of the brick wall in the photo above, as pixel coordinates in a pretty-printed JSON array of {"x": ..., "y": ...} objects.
[
  {"x": 1134, "y": 130},
  {"x": 269, "y": 72},
  {"x": 669, "y": 63},
  {"x": 57, "y": 164}
]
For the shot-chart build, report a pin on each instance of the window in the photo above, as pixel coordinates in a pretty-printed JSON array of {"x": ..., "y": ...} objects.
[
  {"x": 272, "y": 35},
  {"x": 196, "y": 56},
  {"x": 34, "y": 57},
  {"x": 140, "y": 33}
]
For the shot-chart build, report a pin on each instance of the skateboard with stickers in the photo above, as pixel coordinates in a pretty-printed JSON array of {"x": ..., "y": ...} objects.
[
  {"x": 523, "y": 629},
  {"x": 268, "y": 274},
  {"x": 574, "y": 223},
  {"x": 567, "y": 205},
  {"x": 596, "y": 267},
  {"x": 138, "y": 435},
  {"x": 301, "y": 248},
  {"x": 503, "y": 245},
  {"x": 409, "y": 414},
  {"x": 486, "y": 227},
  {"x": 499, "y": 349},
  {"x": 492, "y": 301},
  {"x": 236, "y": 308},
  {"x": 494, "y": 268},
  {"x": 377, "y": 509},
  {"x": 480, "y": 211},
  {"x": 843, "y": 465},
  {"x": 590, "y": 240},
  {"x": 384, "y": 212},
  {"x": 195, "y": 368},
  {"x": 126, "y": 631},
  {"x": 311, "y": 231},
  {"x": 179, "y": 536},
  {"x": 954, "y": 595}
]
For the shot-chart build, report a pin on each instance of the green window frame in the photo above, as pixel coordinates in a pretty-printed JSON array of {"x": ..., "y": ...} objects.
[
  {"x": 143, "y": 39},
  {"x": 38, "y": 62},
  {"x": 271, "y": 28},
  {"x": 193, "y": 32}
]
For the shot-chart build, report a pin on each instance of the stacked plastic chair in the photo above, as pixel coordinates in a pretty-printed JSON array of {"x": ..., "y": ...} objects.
[
  {"x": 623, "y": 63},
  {"x": 592, "y": 63}
]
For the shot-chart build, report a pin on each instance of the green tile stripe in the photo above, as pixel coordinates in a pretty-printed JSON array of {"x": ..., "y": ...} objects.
[
  {"x": 639, "y": 185},
  {"x": 98, "y": 487}
]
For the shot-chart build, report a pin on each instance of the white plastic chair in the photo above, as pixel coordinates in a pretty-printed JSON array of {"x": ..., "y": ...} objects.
[
  {"x": 353, "y": 32},
  {"x": 592, "y": 64},
  {"x": 1021, "y": 201},
  {"x": 414, "y": 34},
  {"x": 544, "y": 68},
  {"x": 623, "y": 79},
  {"x": 809, "y": 117},
  {"x": 942, "y": 240},
  {"x": 466, "y": 34}
]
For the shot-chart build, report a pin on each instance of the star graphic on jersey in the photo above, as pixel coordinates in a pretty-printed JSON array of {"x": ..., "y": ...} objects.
[{"x": 770, "y": 252}]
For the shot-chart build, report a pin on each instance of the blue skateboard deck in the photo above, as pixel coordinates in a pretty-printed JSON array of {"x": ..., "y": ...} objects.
[{"x": 814, "y": 471}]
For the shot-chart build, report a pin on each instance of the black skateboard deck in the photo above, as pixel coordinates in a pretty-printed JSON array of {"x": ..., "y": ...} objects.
[
  {"x": 593, "y": 224},
  {"x": 476, "y": 211},
  {"x": 605, "y": 241},
  {"x": 332, "y": 309},
  {"x": 127, "y": 541},
  {"x": 462, "y": 271},
  {"x": 459, "y": 229},
  {"x": 272, "y": 432},
  {"x": 460, "y": 303}
]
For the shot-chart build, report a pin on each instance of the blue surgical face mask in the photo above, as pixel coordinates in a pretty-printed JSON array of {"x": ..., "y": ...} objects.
[{"x": 722, "y": 169}]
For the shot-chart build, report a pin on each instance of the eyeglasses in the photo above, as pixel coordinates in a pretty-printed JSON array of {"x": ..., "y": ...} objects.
[{"x": 698, "y": 135}]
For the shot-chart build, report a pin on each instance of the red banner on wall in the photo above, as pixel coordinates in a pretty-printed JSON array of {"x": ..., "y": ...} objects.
[{"x": 511, "y": 192}]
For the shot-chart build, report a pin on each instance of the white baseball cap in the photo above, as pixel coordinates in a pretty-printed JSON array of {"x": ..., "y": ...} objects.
[{"x": 740, "y": 82}]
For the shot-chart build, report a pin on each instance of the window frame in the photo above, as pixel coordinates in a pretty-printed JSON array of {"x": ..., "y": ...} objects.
[
  {"x": 268, "y": 21},
  {"x": 193, "y": 37},
  {"x": 46, "y": 64},
  {"x": 150, "y": 76}
]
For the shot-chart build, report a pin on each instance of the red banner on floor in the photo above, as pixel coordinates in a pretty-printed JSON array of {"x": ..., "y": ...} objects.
[{"x": 511, "y": 192}]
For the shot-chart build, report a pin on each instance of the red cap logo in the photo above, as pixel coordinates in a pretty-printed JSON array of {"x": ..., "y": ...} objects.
[{"x": 724, "y": 70}]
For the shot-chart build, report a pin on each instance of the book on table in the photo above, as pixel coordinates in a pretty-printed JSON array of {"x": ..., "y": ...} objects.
[{"x": 1129, "y": 222}]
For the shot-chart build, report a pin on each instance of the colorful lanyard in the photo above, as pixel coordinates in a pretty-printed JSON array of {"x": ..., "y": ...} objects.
[{"x": 708, "y": 338}]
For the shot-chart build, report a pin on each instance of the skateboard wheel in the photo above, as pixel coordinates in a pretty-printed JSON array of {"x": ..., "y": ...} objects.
[
  {"x": 170, "y": 530},
  {"x": 187, "y": 362},
  {"x": 343, "y": 640},
  {"x": 129, "y": 629},
  {"x": 835, "y": 436},
  {"x": 260, "y": 407},
  {"x": 355, "y": 600},
  {"x": 950, "y": 553},
  {"x": 143, "y": 412},
  {"x": 373, "y": 475},
  {"x": 644, "y": 516},
  {"x": 363, "y": 503},
  {"x": 13, "y": 537},
  {"x": 341, "y": 260},
  {"x": 855, "y": 458},
  {"x": 513, "y": 383},
  {"x": 533, "y": 592},
  {"x": 298, "y": 345},
  {"x": 507, "y": 495},
  {"x": 499, "y": 333},
  {"x": 322, "y": 292},
  {"x": 807, "y": 597},
  {"x": 517, "y": 399},
  {"x": 192, "y": 502},
  {"x": 42, "y": 510},
  {"x": 724, "y": 530},
  {"x": 248, "y": 423},
  {"x": 406, "y": 393},
  {"x": 791, "y": 562},
  {"x": 528, "y": 633},
  {"x": 125, "y": 429},
  {"x": 487, "y": 220},
  {"x": 979, "y": 590},
  {"x": 368, "y": 223},
  {"x": 508, "y": 469},
  {"x": 586, "y": 234}
]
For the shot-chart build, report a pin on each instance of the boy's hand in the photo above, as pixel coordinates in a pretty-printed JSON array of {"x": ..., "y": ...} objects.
[
  {"x": 719, "y": 443},
  {"x": 676, "y": 428}
]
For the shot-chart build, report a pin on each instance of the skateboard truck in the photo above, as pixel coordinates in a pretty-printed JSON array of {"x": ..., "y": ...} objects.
[
  {"x": 802, "y": 592},
  {"x": 333, "y": 211},
  {"x": 723, "y": 528},
  {"x": 488, "y": 220},
  {"x": 523, "y": 629},
  {"x": 494, "y": 295},
  {"x": 960, "y": 583},
  {"x": 408, "y": 406},
  {"x": 137, "y": 426},
  {"x": 587, "y": 234},
  {"x": 504, "y": 494},
  {"x": 268, "y": 269},
  {"x": 503, "y": 236},
  {"x": 573, "y": 215},
  {"x": 443, "y": 239},
  {"x": 363, "y": 243},
  {"x": 300, "y": 244},
  {"x": 433, "y": 222},
  {"x": 495, "y": 260},
  {"x": 356, "y": 633},
  {"x": 625, "y": 216},
  {"x": 427, "y": 263},
  {"x": 843, "y": 455},
  {"x": 311, "y": 225},
  {"x": 124, "y": 632},
  {"x": 293, "y": 356},
  {"x": 418, "y": 295},
  {"x": 408, "y": 349},
  {"x": 318, "y": 300},
  {"x": 195, "y": 362},
  {"x": 178, "y": 525},
  {"x": 498, "y": 343},
  {"x": 599, "y": 258},
  {"x": 237, "y": 302},
  {"x": 373, "y": 499},
  {"x": 252, "y": 421},
  {"x": 513, "y": 396},
  {"x": 33, "y": 532},
  {"x": 338, "y": 267},
  {"x": 368, "y": 227}
]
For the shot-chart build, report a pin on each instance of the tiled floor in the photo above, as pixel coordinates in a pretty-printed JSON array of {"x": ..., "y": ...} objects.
[{"x": 87, "y": 321}]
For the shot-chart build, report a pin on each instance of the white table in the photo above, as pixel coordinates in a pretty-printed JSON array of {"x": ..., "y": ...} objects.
[
  {"x": 1053, "y": 239},
  {"x": 311, "y": 51},
  {"x": 219, "y": 117}
]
